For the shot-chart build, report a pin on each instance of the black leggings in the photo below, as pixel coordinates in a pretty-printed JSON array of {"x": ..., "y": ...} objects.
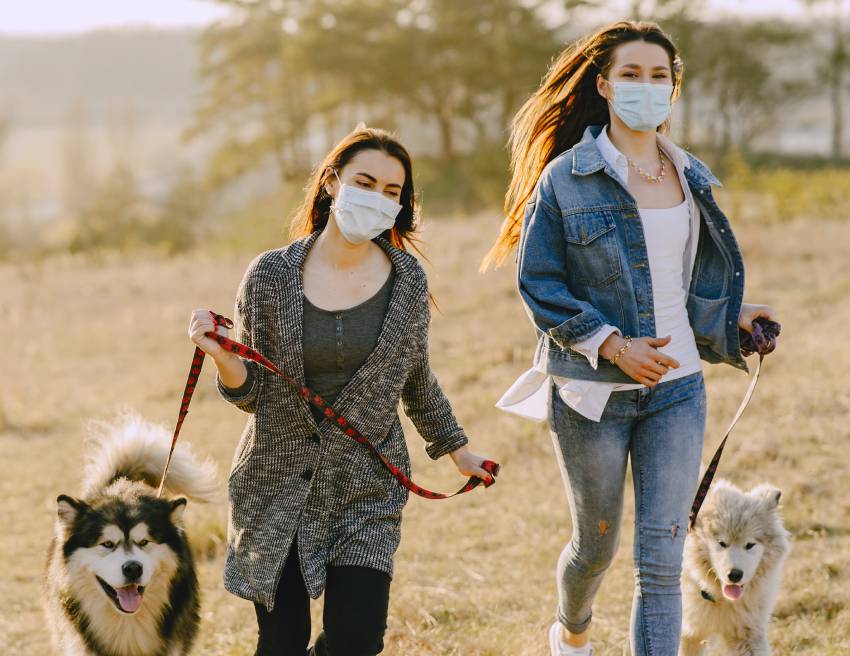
[{"x": 354, "y": 617}]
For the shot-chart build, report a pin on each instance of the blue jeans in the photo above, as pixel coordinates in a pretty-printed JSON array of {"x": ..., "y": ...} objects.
[{"x": 662, "y": 430}]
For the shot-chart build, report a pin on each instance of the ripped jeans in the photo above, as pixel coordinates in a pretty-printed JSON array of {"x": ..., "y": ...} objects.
[{"x": 662, "y": 430}]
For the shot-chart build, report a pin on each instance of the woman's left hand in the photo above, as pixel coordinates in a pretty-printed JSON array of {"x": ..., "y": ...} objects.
[
  {"x": 750, "y": 312},
  {"x": 469, "y": 464}
]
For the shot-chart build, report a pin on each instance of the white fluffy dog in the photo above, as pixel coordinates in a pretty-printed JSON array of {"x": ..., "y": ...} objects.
[{"x": 732, "y": 570}]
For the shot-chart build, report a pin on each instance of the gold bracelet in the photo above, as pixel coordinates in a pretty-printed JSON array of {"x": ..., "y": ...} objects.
[{"x": 622, "y": 350}]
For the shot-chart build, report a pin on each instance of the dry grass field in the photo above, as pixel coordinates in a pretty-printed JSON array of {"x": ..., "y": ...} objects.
[{"x": 475, "y": 574}]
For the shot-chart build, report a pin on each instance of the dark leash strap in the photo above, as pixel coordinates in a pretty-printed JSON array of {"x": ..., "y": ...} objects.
[
  {"x": 311, "y": 397},
  {"x": 762, "y": 341},
  {"x": 708, "y": 476}
]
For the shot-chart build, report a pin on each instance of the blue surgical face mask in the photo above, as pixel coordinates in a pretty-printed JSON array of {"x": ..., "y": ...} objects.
[{"x": 642, "y": 106}]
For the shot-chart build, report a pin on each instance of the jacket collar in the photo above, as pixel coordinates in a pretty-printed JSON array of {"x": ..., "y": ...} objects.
[
  {"x": 295, "y": 254},
  {"x": 588, "y": 158},
  {"x": 699, "y": 174}
]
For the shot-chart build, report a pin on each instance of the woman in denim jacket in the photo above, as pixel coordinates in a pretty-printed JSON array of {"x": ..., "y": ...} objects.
[{"x": 623, "y": 253}]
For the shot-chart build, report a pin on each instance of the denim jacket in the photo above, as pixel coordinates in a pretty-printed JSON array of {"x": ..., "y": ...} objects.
[{"x": 582, "y": 263}]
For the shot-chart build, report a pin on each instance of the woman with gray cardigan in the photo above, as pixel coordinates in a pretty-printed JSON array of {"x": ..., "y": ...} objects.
[{"x": 344, "y": 309}]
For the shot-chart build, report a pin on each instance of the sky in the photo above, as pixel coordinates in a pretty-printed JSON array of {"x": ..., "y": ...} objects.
[{"x": 73, "y": 16}]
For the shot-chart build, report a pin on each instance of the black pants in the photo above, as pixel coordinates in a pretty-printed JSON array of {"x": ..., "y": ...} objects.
[{"x": 354, "y": 618}]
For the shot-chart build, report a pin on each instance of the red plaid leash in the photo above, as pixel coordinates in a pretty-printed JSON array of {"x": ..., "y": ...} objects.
[
  {"x": 708, "y": 476},
  {"x": 341, "y": 422}
]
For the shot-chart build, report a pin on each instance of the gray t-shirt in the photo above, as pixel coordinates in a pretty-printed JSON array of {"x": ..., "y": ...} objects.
[{"x": 337, "y": 342}]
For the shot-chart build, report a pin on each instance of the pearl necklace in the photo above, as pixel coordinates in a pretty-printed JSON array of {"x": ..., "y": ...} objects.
[{"x": 654, "y": 179}]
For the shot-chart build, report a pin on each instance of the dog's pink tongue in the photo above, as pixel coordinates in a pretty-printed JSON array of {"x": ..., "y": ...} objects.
[
  {"x": 130, "y": 598},
  {"x": 732, "y": 591}
]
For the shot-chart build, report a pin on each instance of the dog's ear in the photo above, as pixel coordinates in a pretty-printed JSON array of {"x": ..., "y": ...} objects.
[
  {"x": 768, "y": 494},
  {"x": 178, "y": 507},
  {"x": 67, "y": 509}
]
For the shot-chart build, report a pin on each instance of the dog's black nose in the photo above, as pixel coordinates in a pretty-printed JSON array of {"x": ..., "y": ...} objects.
[
  {"x": 132, "y": 570},
  {"x": 735, "y": 575}
]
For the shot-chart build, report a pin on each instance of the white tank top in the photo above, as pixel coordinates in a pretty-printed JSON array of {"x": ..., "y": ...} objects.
[{"x": 666, "y": 231}]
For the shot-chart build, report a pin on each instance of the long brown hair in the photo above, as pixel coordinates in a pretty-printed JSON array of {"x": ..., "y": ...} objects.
[
  {"x": 313, "y": 213},
  {"x": 555, "y": 117}
]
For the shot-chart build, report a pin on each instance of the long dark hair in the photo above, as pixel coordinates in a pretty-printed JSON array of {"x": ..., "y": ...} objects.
[
  {"x": 555, "y": 117},
  {"x": 313, "y": 213}
]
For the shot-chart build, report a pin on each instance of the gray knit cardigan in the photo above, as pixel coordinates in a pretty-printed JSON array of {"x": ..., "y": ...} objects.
[{"x": 290, "y": 476}]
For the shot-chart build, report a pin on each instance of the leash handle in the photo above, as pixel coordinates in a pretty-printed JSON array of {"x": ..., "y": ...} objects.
[{"x": 310, "y": 396}]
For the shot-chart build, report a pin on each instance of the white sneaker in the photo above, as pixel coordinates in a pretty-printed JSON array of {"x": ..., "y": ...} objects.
[{"x": 558, "y": 648}]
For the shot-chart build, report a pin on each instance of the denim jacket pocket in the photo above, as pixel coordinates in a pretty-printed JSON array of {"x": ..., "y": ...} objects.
[
  {"x": 592, "y": 250},
  {"x": 708, "y": 320}
]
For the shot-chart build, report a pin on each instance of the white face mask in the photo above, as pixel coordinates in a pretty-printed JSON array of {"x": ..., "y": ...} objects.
[
  {"x": 362, "y": 215},
  {"x": 642, "y": 106}
]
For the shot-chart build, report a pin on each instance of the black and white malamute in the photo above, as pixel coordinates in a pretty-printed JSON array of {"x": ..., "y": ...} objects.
[{"x": 120, "y": 580}]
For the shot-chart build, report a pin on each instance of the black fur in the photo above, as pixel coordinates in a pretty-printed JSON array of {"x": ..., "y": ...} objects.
[{"x": 180, "y": 619}]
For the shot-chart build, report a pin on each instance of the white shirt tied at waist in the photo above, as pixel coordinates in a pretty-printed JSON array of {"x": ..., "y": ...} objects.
[{"x": 528, "y": 396}]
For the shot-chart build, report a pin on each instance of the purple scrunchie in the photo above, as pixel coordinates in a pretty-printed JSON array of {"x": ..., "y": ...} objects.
[{"x": 763, "y": 338}]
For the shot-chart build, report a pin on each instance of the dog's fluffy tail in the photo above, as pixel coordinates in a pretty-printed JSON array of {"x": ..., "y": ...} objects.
[{"x": 133, "y": 448}]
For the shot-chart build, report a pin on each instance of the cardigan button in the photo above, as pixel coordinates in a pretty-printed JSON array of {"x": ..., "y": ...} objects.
[
  {"x": 315, "y": 438},
  {"x": 307, "y": 475}
]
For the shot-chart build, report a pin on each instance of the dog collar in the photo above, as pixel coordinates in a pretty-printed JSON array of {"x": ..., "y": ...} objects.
[{"x": 707, "y": 595}]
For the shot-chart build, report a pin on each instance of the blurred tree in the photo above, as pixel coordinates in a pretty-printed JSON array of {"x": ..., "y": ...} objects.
[
  {"x": 122, "y": 127},
  {"x": 449, "y": 61},
  {"x": 7, "y": 240},
  {"x": 259, "y": 98},
  {"x": 5, "y": 126},
  {"x": 279, "y": 71},
  {"x": 114, "y": 215},
  {"x": 118, "y": 217},
  {"x": 77, "y": 154},
  {"x": 742, "y": 76},
  {"x": 682, "y": 19},
  {"x": 834, "y": 69},
  {"x": 5, "y": 122},
  {"x": 181, "y": 214}
]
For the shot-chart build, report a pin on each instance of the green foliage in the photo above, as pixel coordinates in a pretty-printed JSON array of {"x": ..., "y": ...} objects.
[
  {"x": 466, "y": 184},
  {"x": 279, "y": 69},
  {"x": 780, "y": 194},
  {"x": 260, "y": 225},
  {"x": 766, "y": 159},
  {"x": 181, "y": 217},
  {"x": 7, "y": 242},
  {"x": 120, "y": 218},
  {"x": 741, "y": 78},
  {"x": 115, "y": 217},
  {"x": 792, "y": 194},
  {"x": 259, "y": 95}
]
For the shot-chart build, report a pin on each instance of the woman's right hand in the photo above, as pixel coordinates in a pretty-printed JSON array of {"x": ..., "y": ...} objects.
[
  {"x": 201, "y": 322},
  {"x": 642, "y": 361}
]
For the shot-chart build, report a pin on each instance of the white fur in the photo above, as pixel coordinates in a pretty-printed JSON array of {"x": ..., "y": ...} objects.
[
  {"x": 127, "y": 634},
  {"x": 105, "y": 563},
  {"x": 138, "y": 450},
  {"x": 737, "y": 519}
]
